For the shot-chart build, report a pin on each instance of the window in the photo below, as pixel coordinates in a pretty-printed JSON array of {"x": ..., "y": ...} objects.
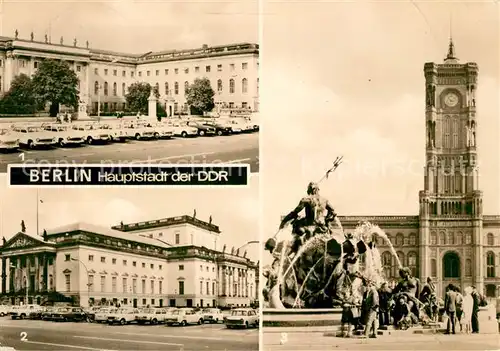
[
  {"x": 152, "y": 287},
  {"x": 67, "y": 257},
  {"x": 177, "y": 238},
  {"x": 103, "y": 283},
  {"x": 201, "y": 267},
  {"x": 113, "y": 260},
  {"x": 166, "y": 71},
  {"x": 201, "y": 288},
  {"x": 148, "y": 73},
  {"x": 103, "y": 259},
  {"x": 442, "y": 238},
  {"x": 399, "y": 239},
  {"x": 244, "y": 105},
  {"x": 244, "y": 65},
  {"x": 140, "y": 74},
  {"x": 244, "y": 85},
  {"x": 160, "y": 287},
  {"x": 96, "y": 70},
  {"x": 124, "y": 73},
  {"x": 166, "y": 88},
  {"x": 197, "y": 69},
  {"x": 433, "y": 238},
  {"x": 143, "y": 286},
  {"x": 219, "y": 68},
  {"x": 132, "y": 74},
  {"x": 124, "y": 90},
  {"x": 143, "y": 265},
  {"x": 186, "y": 70},
  {"x": 231, "y": 86},
  {"x": 113, "y": 284},
  {"x": 114, "y": 72},
  {"x": 114, "y": 89},
  {"x": 219, "y": 85},
  {"x": 208, "y": 288},
  {"x": 91, "y": 283},
  {"x": 124, "y": 285},
  {"x": 91, "y": 258},
  {"x": 152, "y": 266},
  {"x": 176, "y": 88},
  {"x": 213, "y": 289},
  {"x": 231, "y": 66},
  {"x": 181, "y": 267},
  {"x": 387, "y": 263},
  {"x": 186, "y": 87},
  {"x": 491, "y": 239},
  {"x": 124, "y": 262},
  {"x": 468, "y": 238},
  {"x": 78, "y": 68},
  {"x": 490, "y": 265},
  {"x": 468, "y": 267},
  {"x": 157, "y": 72},
  {"x": 181, "y": 288},
  {"x": 105, "y": 71},
  {"x": 96, "y": 88},
  {"x": 134, "y": 286},
  {"x": 68, "y": 282},
  {"x": 450, "y": 239},
  {"x": 412, "y": 263},
  {"x": 144, "y": 301},
  {"x": 207, "y": 69},
  {"x": 106, "y": 88},
  {"x": 134, "y": 263},
  {"x": 176, "y": 70}
]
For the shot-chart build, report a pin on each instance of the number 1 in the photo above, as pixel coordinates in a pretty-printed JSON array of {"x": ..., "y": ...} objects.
[{"x": 22, "y": 156}]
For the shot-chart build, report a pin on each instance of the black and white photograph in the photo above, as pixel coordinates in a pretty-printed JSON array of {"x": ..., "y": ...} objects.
[
  {"x": 129, "y": 269},
  {"x": 380, "y": 211},
  {"x": 158, "y": 82}
]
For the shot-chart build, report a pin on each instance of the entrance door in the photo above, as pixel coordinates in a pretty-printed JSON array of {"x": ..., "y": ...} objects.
[
  {"x": 170, "y": 111},
  {"x": 189, "y": 303},
  {"x": 135, "y": 303},
  {"x": 172, "y": 303},
  {"x": 201, "y": 303},
  {"x": 214, "y": 303},
  {"x": 451, "y": 270},
  {"x": 32, "y": 283},
  {"x": 161, "y": 302}
]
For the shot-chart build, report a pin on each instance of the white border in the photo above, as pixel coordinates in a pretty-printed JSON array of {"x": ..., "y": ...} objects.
[{"x": 131, "y": 165}]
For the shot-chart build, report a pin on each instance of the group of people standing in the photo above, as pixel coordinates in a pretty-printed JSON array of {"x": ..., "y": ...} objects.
[{"x": 462, "y": 308}]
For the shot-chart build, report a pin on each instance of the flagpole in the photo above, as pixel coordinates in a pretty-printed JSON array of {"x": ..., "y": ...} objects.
[{"x": 37, "y": 201}]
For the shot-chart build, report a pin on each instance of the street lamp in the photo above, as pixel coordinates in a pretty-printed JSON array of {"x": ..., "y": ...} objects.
[
  {"x": 89, "y": 284},
  {"x": 25, "y": 279}
]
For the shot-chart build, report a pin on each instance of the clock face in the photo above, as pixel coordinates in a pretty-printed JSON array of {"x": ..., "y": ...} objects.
[{"x": 451, "y": 99}]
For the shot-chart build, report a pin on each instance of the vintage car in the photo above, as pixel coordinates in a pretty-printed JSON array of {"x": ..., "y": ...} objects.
[
  {"x": 102, "y": 314},
  {"x": 65, "y": 314},
  {"x": 182, "y": 129},
  {"x": 203, "y": 129},
  {"x": 4, "y": 310},
  {"x": 236, "y": 125},
  {"x": 24, "y": 311},
  {"x": 220, "y": 129},
  {"x": 151, "y": 316},
  {"x": 212, "y": 315},
  {"x": 184, "y": 316},
  {"x": 242, "y": 318},
  {"x": 247, "y": 125},
  {"x": 123, "y": 316},
  {"x": 163, "y": 130},
  {"x": 141, "y": 130},
  {"x": 65, "y": 135},
  {"x": 46, "y": 314},
  {"x": 115, "y": 130},
  {"x": 34, "y": 136},
  {"x": 91, "y": 312},
  {"x": 8, "y": 140},
  {"x": 92, "y": 134}
]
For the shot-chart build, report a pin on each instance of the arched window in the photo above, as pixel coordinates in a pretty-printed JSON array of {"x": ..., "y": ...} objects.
[
  {"x": 176, "y": 88},
  {"x": 244, "y": 85},
  {"x": 442, "y": 238},
  {"x": 412, "y": 263},
  {"x": 375, "y": 240},
  {"x": 449, "y": 238},
  {"x": 231, "y": 86},
  {"x": 490, "y": 265},
  {"x": 491, "y": 239},
  {"x": 400, "y": 239},
  {"x": 219, "y": 85},
  {"x": 106, "y": 88},
  {"x": 458, "y": 238},
  {"x": 491, "y": 290},
  {"x": 186, "y": 87},
  {"x": 413, "y": 239},
  {"x": 468, "y": 267},
  {"x": 387, "y": 263},
  {"x": 468, "y": 238},
  {"x": 166, "y": 88},
  {"x": 124, "y": 89},
  {"x": 451, "y": 265},
  {"x": 96, "y": 87},
  {"x": 114, "y": 89},
  {"x": 433, "y": 238},
  {"x": 433, "y": 267}
]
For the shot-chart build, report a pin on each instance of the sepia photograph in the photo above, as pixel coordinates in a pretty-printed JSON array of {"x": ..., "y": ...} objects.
[
  {"x": 158, "y": 82},
  {"x": 129, "y": 269},
  {"x": 381, "y": 219}
]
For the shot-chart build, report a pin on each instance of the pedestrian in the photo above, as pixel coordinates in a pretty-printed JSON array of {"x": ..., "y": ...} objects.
[
  {"x": 467, "y": 305},
  {"x": 450, "y": 308},
  {"x": 350, "y": 314},
  {"x": 372, "y": 304},
  {"x": 384, "y": 299},
  {"x": 458, "y": 303},
  {"x": 475, "y": 311}
]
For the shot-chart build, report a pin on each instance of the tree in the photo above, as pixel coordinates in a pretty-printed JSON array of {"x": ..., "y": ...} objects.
[
  {"x": 138, "y": 95},
  {"x": 56, "y": 83},
  {"x": 200, "y": 95},
  {"x": 20, "y": 98}
]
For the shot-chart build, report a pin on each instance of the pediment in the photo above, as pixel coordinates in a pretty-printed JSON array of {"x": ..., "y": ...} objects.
[
  {"x": 103, "y": 272},
  {"x": 161, "y": 278},
  {"x": 21, "y": 240},
  {"x": 134, "y": 275},
  {"x": 144, "y": 276},
  {"x": 92, "y": 271},
  {"x": 67, "y": 271},
  {"x": 125, "y": 274},
  {"x": 153, "y": 277},
  {"x": 181, "y": 278},
  {"x": 114, "y": 273}
]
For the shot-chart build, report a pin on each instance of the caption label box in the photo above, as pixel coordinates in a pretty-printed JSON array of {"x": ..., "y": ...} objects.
[{"x": 123, "y": 175}]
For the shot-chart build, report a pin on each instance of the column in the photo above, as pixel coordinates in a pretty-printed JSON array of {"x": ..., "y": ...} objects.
[
  {"x": 37, "y": 273},
  {"x": 45, "y": 272},
  {"x": 9, "y": 71},
  {"x": 226, "y": 281}
]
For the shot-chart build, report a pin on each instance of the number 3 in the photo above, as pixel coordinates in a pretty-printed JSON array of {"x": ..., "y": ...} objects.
[{"x": 24, "y": 336}]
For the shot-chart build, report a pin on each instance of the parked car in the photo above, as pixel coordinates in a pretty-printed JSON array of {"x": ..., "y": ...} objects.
[
  {"x": 163, "y": 130},
  {"x": 102, "y": 314},
  {"x": 151, "y": 316},
  {"x": 65, "y": 135},
  {"x": 92, "y": 134},
  {"x": 24, "y": 311},
  {"x": 236, "y": 125},
  {"x": 4, "y": 310},
  {"x": 220, "y": 129},
  {"x": 184, "y": 316},
  {"x": 35, "y": 315},
  {"x": 8, "y": 139},
  {"x": 170, "y": 312},
  {"x": 90, "y": 312},
  {"x": 212, "y": 315},
  {"x": 66, "y": 314},
  {"x": 184, "y": 130},
  {"x": 242, "y": 318},
  {"x": 34, "y": 136},
  {"x": 123, "y": 316},
  {"x": 46, "y": 314},
  {"x": 203, "y": 129},
  {"x": 140, "y": 131},
  {"x": 116, "y": 131}
]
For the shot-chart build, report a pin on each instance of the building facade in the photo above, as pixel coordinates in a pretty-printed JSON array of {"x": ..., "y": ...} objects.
[
  {"x": 104, "y": 76},
  {"x": 451, "y": 240},
  {"x": 168, "y": 262}
]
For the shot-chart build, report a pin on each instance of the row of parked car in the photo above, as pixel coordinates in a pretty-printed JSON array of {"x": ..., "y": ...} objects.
[
  {"x": 79, "y": 133},
  {"x": 239, "y": 317}
]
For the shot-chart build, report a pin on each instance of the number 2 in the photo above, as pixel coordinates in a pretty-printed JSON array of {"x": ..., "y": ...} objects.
[{"x": 24, "y": 336}]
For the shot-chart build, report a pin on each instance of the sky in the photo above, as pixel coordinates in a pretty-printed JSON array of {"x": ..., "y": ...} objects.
[
  {"x": 234, "y": 210},
  {"x": 134, "y": 26},
  {"x": 346, "y": 79}
]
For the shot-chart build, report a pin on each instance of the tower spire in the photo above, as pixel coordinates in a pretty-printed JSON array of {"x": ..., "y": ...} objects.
[{"x": 451, "y": 47}]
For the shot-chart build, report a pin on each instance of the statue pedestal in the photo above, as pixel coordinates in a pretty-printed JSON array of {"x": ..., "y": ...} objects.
[
  {"x": 488, "y": 323},
  {"x": 170, "y": 106},
  {"x": 82, "y": 110},
  {"x": 152, "y": 106}
]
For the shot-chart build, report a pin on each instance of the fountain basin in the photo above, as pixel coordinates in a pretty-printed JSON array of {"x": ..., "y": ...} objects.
[{"x": 303, "y": 317}]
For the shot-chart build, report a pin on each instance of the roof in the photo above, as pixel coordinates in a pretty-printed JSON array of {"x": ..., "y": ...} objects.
[
  {"x": 167, "y": 222},
  {"x": 91, "y": 228}
]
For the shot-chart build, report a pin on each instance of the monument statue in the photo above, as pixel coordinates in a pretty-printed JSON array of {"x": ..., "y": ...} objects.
[
  {"x": 16, "y": 34},
  {"x": 23, "y": 226},
  {"x": 194, "y": 213},
  {"x": 224, "y": 248},
  {"x": 210, "y": 220},
  {"x": 32, "y": 36},
  {"x": 75, "y": 42},
  {"x": 4, "y": 241},
  {"x": 46, "y": 38},
  {"x": 61, "y": 41},
  {"x": 87, "y": 44}
]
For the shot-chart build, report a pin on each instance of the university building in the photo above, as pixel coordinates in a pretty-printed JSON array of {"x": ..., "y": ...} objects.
[
  {"x": 105, "y": 76},
  {"x": 168, "y": 262},
  {"x": 451, "y": 240}
]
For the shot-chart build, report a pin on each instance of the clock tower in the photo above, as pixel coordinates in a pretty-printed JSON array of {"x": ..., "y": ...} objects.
[{"x": 450, "y": 236}]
